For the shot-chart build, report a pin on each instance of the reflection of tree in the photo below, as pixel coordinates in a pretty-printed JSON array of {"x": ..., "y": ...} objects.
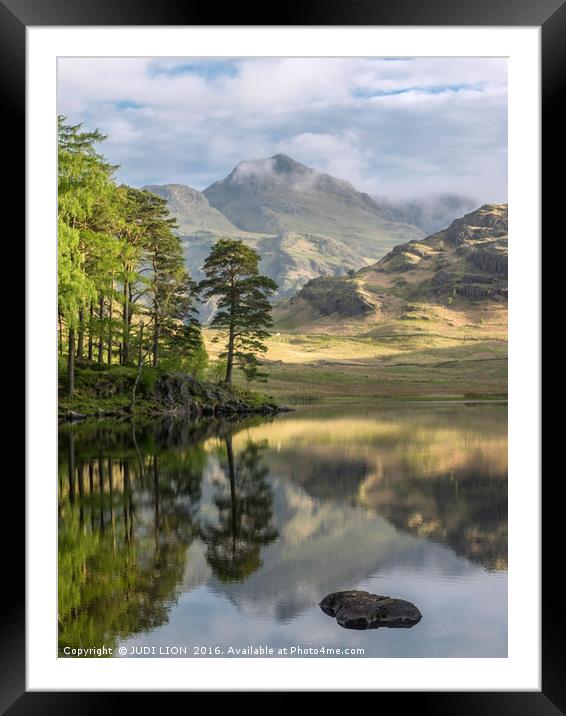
[
  {"x": 244, "y": 515},
  {"x": 125, "y": 525}
]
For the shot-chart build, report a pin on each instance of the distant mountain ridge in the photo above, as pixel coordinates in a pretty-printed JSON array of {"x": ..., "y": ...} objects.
[
  {"x": 431, "y": 212},
  {"x": 192, "y": 210},
  {"x": 279, "y": 194}
]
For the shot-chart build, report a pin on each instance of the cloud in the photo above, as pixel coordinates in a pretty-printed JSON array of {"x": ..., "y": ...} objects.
[{"x": 395, "y": 127}]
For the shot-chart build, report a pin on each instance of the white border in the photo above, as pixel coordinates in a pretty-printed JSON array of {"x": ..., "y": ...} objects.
[{"x": 521, "y": 670}]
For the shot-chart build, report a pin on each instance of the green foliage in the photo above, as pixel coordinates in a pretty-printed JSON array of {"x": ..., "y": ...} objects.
[
  {"x": 147, "y": 381},
  {"x": 193, "y": 362},
  {"x": 120, "y": 566},
  {"x": 120, "y": 266},
  {"x": 244, "y": 310},
  {"x": 217, "y": 371}
]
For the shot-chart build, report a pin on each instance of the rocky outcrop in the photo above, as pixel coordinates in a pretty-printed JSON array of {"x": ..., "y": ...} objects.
[
  {"x": 466, "y": 263},
  {"x": 181, "y": 393},
  {"x": 483, "y": 223},
  {"x": 490, "y": 261},
  {"x": 72, "y": 416},
  {"x": 473, "y": 291},
  {"x": 442, "y": 278},
  {"x": 329, "y": 294},
  {"x": 106, "y": 392},
  {"x": 361, "y": 610}
]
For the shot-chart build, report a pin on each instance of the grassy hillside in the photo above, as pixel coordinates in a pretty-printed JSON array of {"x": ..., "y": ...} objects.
[
  {"x": 455, "y": 276},
  {"x": 429, "y": 320}
]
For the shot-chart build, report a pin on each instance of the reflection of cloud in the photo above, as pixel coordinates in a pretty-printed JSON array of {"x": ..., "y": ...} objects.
[
  {"x": 324, "y": 547},
  {"x": 356, "y": 528},
  {"x": 197, "y": 570},
  {"x": 465, "y": 615},
  {"x": 398, "y": 128}
]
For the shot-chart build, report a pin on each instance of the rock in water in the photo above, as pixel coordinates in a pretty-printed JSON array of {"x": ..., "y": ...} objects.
[{"x": 361, "y": 610}]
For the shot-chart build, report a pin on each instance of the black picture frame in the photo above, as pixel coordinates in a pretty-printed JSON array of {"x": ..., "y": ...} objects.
[{"x": 15, "y": 16}]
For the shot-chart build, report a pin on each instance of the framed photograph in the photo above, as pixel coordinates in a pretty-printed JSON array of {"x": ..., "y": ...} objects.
[{"x": 283, "y": 396}]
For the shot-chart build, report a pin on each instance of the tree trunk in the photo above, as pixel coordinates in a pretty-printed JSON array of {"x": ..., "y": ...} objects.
[
  {"x": 130, "y": 307},
  {"x": 100, "y": 328},
  {"x": 60, "y": 334},
  {"x": 71, "y": 364},
  {"x": 155, "y": 351},
  {"x": 81, "y": 335},
  {"x": 230, "y": 356},
  {"x": 110, "y": 309},
  {"x": 138, "y": 376},
  {"x": 90, "y": 327},
  {"x": 126, "y": 326}
]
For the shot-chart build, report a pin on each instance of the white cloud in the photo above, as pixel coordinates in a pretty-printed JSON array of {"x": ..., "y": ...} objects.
[{"x": 395, "y": 127}]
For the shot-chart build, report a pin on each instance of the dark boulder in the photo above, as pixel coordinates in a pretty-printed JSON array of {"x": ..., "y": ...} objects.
[{"x": 361, "y": 610}]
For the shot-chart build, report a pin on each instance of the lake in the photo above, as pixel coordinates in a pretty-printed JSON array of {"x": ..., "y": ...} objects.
[{"x": 220, "y": 539}]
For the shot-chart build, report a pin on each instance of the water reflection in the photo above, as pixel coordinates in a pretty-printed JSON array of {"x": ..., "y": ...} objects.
[
  {"x": 244, "y": 504},
  {"x": 125, "y": 523},
  {"x": 270, "y": 516}
]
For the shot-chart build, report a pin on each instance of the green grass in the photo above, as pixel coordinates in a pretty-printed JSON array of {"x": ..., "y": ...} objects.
[{"x": 399, "y": 368}]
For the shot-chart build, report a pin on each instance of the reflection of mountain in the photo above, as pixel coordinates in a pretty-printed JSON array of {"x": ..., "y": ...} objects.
[
  {"x": 464, "y": 508},
  {"x": 326, "y": 546},
  {"x": 431, "y": 474},
  {"x": 273, "y": 515}
]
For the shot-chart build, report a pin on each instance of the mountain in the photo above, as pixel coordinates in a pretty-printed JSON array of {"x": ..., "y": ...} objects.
[
  {"x": 290, "y": 258},
  {"x": 447, "y": 277},
  {"x": 279, "y": 195},
  {"x": 430, "y": 213},
  {"x": 303, "y": 223},
  {"x": 192, "y": 210}
]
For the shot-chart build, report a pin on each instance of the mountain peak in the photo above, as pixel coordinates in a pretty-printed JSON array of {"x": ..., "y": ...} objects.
[
  {"x": 279, "y": 194},
  {"x": 284, "y": 164},
  {"x": 279, "y": 167}
]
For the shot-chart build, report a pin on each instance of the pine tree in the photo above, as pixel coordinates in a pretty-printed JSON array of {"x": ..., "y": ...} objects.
[
  {"x": 170, "y": 292},
  {"x": 244, "y": 311},
  {"x": 119, "y": 262},
  {"x": 84, "y": 188}
]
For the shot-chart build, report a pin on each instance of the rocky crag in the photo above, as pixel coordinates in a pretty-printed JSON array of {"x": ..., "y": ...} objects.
[{"x": 457, "y": 268}]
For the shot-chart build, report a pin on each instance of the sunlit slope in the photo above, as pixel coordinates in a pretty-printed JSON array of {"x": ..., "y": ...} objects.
[{"x": 455, "y": 278}]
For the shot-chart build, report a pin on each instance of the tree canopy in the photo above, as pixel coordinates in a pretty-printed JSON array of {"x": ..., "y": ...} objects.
[
  {"x": 121, "y": 266},
  {"x": 125, "y": 294},
  {"x": 243, "y": 308}
]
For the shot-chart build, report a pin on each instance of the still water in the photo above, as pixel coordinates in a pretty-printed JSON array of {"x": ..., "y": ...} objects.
[{"x": 218, "y": 538}]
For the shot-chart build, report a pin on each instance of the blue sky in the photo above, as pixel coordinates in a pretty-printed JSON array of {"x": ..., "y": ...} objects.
[{"x": 400, "y": 127}]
